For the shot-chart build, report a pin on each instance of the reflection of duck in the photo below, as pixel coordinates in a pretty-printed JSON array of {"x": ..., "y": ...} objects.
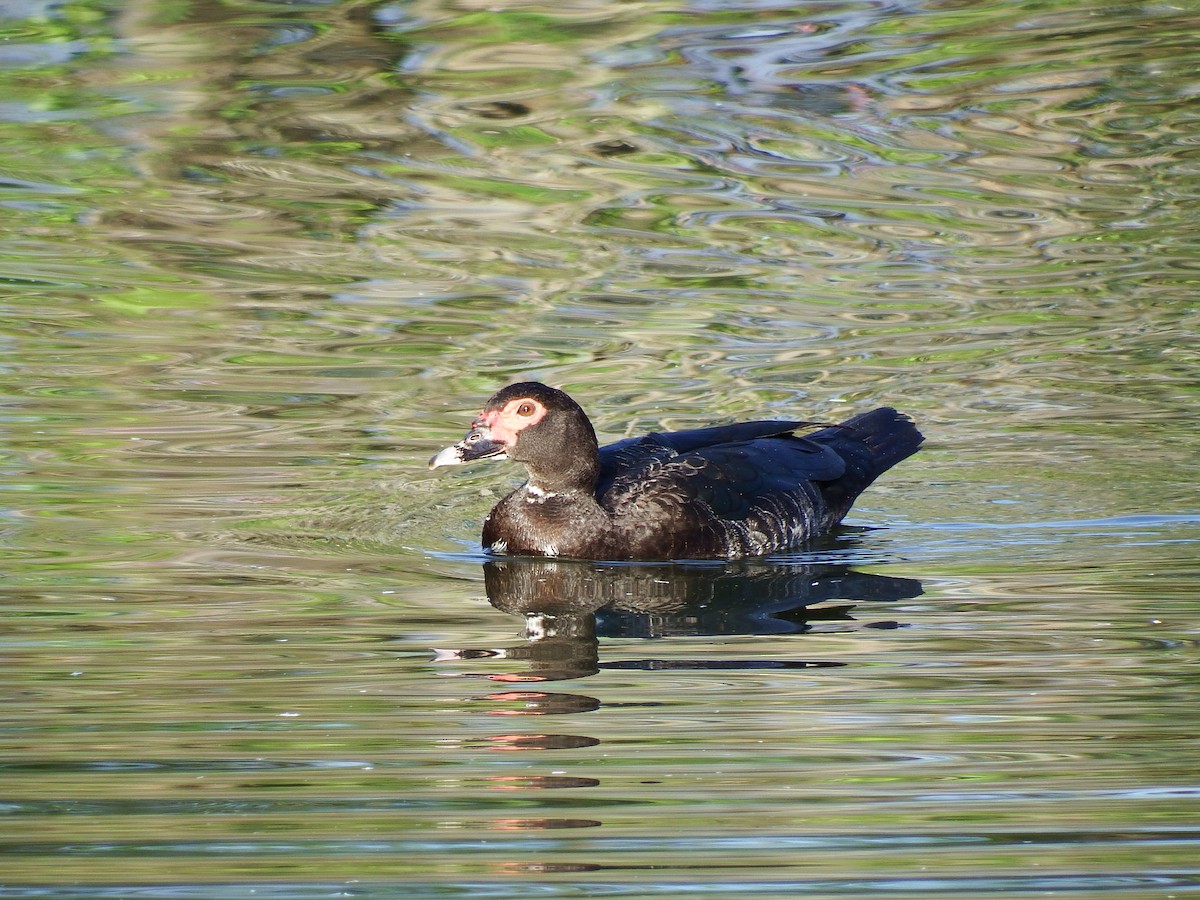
[
  {"x": 568, "y": 603},
  {"x": 735, "y": 598},
  {"x": 723, "y": 492}
]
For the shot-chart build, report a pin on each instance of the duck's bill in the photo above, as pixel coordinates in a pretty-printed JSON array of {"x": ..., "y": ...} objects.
[{"x": 476, "y": 445}]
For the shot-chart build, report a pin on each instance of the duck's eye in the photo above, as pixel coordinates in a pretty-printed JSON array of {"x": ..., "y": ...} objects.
[{"x": 525, "y": 409}]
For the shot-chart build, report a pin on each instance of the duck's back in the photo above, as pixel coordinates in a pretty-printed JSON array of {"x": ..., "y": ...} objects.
[{"x": 743, "y": 490}]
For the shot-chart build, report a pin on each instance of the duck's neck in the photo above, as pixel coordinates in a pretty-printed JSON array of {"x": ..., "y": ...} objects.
[{"x": 577, "y": 477}]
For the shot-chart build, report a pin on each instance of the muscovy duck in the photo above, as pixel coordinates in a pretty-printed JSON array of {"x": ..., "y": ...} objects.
[{"x": 724, "y": 492}]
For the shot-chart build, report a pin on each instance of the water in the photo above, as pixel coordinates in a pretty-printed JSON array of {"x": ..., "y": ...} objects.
[{"x": 261, "y": 260}]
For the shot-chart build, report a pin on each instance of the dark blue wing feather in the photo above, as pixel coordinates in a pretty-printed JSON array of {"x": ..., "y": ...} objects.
[
  {"x": 807, "y": 460},
  {"x": 729, "y": 490}
]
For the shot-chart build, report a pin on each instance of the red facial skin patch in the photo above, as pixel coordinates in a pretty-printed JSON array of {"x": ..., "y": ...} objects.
[{"x": 503, "y": 425}]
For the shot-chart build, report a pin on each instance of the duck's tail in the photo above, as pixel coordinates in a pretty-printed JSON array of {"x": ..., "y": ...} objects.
[{"x": 870, "y": 444}]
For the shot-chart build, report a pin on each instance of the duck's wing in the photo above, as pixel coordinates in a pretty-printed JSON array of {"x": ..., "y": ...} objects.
[
  {"x": 626, "y": 461},
  {"x": 719, "y": 497}
]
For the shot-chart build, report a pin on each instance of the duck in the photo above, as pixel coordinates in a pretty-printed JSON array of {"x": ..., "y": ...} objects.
[{"x": 721, "y": 492}]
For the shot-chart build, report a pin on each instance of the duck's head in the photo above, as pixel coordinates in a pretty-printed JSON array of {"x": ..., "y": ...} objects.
[{"x": 530, "y": 423}]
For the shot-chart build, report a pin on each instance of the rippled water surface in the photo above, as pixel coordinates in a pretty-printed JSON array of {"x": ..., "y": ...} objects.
[{"x": 261, "y": 259}]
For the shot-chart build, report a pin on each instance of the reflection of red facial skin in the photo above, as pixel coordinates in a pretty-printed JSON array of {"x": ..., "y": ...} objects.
[
  {"x": 518, "y": 868},
  {"x": 858, "y": 97},
  {"x": 514, "y": 825},
  {"x": 516, "y": 736},
  {"x": 510, "y": 742},
  {"x": 516, "y": 712},
  {"x": 541, "y": 868},
  {"x": 518, "y": 695},
  {"x": 540, "y": 824},
  {"x": 513, "y": 676}
]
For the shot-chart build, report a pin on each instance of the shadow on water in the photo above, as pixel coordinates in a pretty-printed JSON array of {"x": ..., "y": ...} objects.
[{"x": 569, "y": 604}]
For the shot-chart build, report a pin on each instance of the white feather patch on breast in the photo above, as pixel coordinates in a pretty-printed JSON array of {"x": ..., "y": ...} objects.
[{"x": 534, "y": 494}]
